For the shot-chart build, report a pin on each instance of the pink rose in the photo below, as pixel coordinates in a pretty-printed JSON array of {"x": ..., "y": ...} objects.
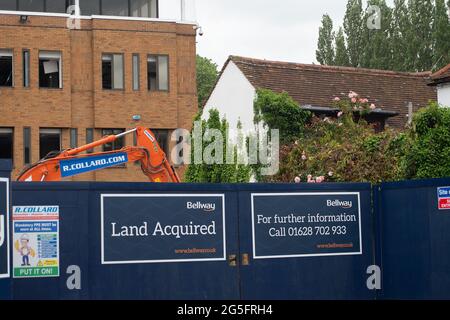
[
  {"x": 340, "y": 113},
  {"x": 373, "y": 106},
  {"x": 354, "y": 100},
  {"x": 297, "y": 180},
  {"x": 337, "y": 99},
  {"x": 330, "y": 174},
  {"x": 352, "y": 94}
]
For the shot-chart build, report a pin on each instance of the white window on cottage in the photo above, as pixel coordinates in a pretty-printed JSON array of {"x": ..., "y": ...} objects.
[
  {"x": 50, "y": 74},
  {"x": 112, "y": 71},
  {"x": 6, "y": 68},
  {"x": 158, "y": 72}
]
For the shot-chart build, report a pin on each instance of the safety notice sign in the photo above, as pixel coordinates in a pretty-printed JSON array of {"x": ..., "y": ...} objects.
[
  {"x": 35, "y": 241},
  {"x": 444, "y": 198}
]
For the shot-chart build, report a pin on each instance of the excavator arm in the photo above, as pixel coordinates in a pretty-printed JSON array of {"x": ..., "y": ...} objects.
[{"x": 71, "y": 162}]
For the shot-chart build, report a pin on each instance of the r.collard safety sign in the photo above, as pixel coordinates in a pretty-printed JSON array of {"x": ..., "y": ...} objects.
[
  {"x": 444, "y": 198},
  {"x": 4, "y": 228},
  {"x": 35, "y": 241}
]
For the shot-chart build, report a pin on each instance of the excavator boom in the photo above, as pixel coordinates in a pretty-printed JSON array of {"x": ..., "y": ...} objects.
[{"x": 72, "y": 162}]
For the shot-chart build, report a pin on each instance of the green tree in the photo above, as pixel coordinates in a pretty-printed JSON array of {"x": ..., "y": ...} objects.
[
  {"x": 420, "y": 39},
  {"x": 221, "y": 171},
  {"x": 441, "y": 35},
  {"x": 325, "y": 49},
  {"x": 207, "y": 73},
  {"x": 341, "y": 56},
  {"x": 280, "y": 111},
  {"x": 354, "y": 27},
  {"x": 377, "y": 46},
  {"x": 401, "y": 29}
]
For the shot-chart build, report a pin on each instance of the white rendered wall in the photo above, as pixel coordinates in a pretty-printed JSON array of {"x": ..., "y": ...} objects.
[
  {"x": 444, "y": 94},
  {"x": 233, "y": 97}
]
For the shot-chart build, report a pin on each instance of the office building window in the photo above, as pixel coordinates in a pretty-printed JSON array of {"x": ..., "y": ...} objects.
[
  {"x": 50, "y": 74},
  {"x": 6, "y": 143},
  {"x": 112, "y": 71},
  {"x": 27, "y": 145},
  {"x": 26, "y": 68},
  {"x": 158, "y": 72},
  {"x": 89, "y": 7},
  {"x": 162, "y": 136},
  {"x": 58, "y": 6},
  {"x": 89, "y": 138},
  {"x": 49, "y": 141},
  {"x": 144, "y": 8},
  {"x": 115, "y": 7},
  {"x": 31, "y": 5},
  {"x": 136, "y": 73},
  {"x": 115, "y": 145},
  {"x": 73, "y": 138},
  {"x": 6, "y": 68},
  {"x": 8, "y": 5}
]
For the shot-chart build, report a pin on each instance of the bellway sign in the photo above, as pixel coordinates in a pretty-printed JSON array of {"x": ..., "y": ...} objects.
[{"x": 4, "y": 228}]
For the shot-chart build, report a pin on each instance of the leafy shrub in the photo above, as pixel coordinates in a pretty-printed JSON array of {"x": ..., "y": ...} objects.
[
  {"x": 280, "y": 111},
  {"x": 344, "y": 149},
  {"x": 428, "y": 152},
  {"x": 216, "y": 173}
]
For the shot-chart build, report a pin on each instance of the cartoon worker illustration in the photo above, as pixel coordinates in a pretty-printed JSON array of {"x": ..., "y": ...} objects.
[{"x": 24, "y": 249}]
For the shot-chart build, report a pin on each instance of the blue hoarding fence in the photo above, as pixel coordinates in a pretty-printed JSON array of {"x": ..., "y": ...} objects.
[
  {"x": 5, "y": 282},
  {"x": 259, "y": 241}
]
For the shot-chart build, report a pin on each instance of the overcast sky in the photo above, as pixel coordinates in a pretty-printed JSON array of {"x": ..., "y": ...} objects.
[{"x": 284, "y": 30}]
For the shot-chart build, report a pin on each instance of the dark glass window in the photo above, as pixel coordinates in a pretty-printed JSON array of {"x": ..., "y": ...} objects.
[
  {"x": 112, "y": 71},
  {"x": 115, "y": 7},
  {"x": 6, "y": 143},
  {"x": 116, "y": 145},
  {"x": 158, "y": 73},
  {"x": 136, "y": 73},
  {"x": 89, "y": 138},
  {"x": 162, "y": 136},
  {"x": 26, "y": 68},
  {"x": 89, "y": 7},
  {"x": 8, "y": 5},
  {"x": 50, "y": 70},
  {"x": 58, "y": 6},
  {"x": 27, "y": 145},
  {"x": 49, "y": 140},
  {"x": 31, "y": 5},
  {"x": 73, "y": 138},
  {"x": 6, "y": 68},
  {"x": 144, "y": 8}
]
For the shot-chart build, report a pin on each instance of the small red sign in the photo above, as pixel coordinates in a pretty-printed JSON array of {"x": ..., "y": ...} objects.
[{"x": 444, "y": 204}]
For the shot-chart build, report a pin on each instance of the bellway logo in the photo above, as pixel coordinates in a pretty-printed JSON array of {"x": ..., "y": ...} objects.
[
  {"x": 77, "y": 166},
  {"x": 207, "y": 207},
  {"x": 339, "y": 203}
]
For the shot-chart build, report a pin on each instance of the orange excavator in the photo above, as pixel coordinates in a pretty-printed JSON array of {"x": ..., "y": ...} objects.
[{"x": 58, "y": 165}]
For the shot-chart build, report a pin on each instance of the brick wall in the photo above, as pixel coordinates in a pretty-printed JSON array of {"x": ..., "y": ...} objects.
[{"x": 82, "y": 103}]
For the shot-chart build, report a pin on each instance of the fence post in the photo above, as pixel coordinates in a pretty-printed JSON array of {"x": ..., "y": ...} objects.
[{"x": 5, "y": 204}]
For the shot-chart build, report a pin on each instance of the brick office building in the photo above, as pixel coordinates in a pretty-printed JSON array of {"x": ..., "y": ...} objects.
[{"x": 62, "y": 87}]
